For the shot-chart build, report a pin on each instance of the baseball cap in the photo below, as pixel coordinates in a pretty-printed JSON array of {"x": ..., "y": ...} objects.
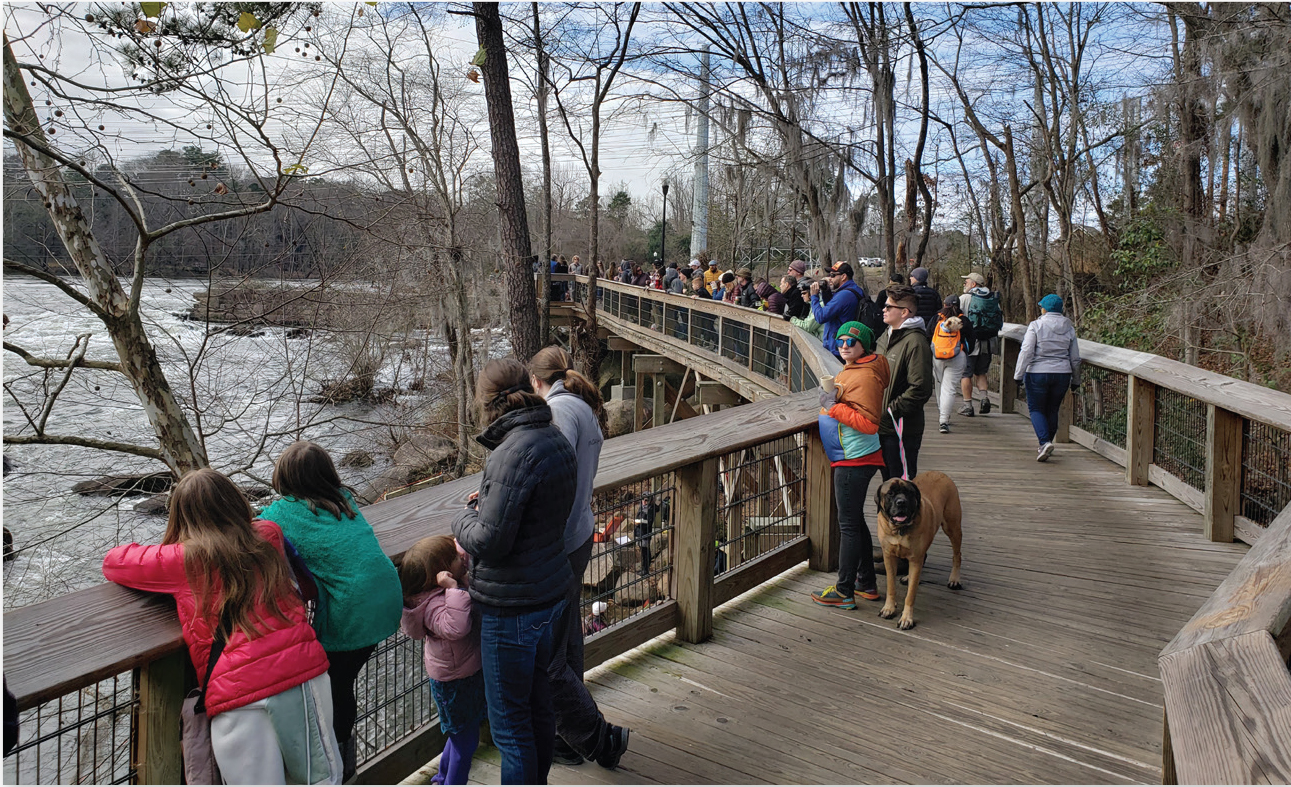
[
  {"x": 920, "y": 275},
  {"x": 857, "y": 331},
  {"x": 843, "y": 268},
  {"x": 694, "y": 263},
  {"x": 712, "y": 263},
  {"x": 745, "y": 272},
  {"x": 976, "y": 278}
]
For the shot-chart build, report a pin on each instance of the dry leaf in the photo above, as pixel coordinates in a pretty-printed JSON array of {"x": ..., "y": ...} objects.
[{"x": 473, "y": 75}]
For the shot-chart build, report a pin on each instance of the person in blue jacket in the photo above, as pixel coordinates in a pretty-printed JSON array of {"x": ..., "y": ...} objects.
[{"x": 842, "y": 306}]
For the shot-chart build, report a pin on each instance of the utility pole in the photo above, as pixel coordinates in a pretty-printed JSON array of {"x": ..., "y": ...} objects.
[{"x": 699, "y": 208}]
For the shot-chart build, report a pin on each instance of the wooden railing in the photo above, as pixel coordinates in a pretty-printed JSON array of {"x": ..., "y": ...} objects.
[{"x": 1223, "y": 447}]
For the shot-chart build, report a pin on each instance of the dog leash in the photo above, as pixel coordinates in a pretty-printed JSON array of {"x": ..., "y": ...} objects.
[{"x": 899, "y": 425}]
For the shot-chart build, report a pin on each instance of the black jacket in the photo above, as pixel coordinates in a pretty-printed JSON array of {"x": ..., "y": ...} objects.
[
  {"x": 796, "y": 306},
  {"x": 516, "y": 535},
  {"x": 929, "y": 305}
]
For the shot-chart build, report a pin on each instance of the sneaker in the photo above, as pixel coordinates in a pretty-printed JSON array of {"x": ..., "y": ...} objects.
[
  {"x": 967, "y": 409},
  {"x": 869, "y": 595},
  {"x": 944, "y": 428},
  {"x": 832, "y": 598},
  {"x": 564, "y": 754},
  {"x": 1045, "y": 452},
  {"x": 616, "y": 743},
  {"x": 986, "y": 406}
]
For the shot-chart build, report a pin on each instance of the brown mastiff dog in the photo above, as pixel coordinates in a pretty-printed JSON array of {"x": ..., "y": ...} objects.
[{"x": 910, "y": 513}]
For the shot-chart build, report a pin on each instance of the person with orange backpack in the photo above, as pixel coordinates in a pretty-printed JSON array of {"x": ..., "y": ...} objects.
[{"x": 952, "y": 344}]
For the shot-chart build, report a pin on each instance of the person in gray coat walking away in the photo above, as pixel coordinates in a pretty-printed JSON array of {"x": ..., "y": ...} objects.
[
  {"x": 1048, "y": 365},
  {"x": 581, "y": 729}
]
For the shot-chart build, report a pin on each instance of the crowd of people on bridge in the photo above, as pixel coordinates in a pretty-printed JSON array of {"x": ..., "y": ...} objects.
[{"x": 280, "y": 612}]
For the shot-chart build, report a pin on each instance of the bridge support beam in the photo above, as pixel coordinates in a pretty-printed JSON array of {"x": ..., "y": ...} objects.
[
  {"x": 820, "y": 512},
  {"x": 712, "y": 393},
  {"x": 1223, "y": 473},
  {"x": 1140, "y": 430},
  {"x": 696, "y": 550},
  {"x": 157, "y": 737}
]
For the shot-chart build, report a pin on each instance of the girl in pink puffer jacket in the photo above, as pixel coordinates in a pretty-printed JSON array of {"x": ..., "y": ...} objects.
[{"x": 437, "y": 609}]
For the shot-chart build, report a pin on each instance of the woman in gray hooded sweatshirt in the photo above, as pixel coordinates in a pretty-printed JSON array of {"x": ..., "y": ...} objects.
[{"x": 1048, "y": 365}]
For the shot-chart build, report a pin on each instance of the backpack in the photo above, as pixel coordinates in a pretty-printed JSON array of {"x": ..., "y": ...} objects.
[
  {"x": 944, "y": 345},
  {"x": 985, "y": 315},
  {"x": 870, "y": 314}
]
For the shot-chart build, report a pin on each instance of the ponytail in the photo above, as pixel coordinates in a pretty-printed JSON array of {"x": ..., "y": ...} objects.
[{"x": 553, "y": 363}]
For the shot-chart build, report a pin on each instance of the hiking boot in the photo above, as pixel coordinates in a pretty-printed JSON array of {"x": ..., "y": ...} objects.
[
  {"x": 986, "y": 405},
  {"x": 616, "y": 743},
  {"x": 944, "y": 428},
  {"x": 832, "y": 598},
  {"x": 564, "y": 754},
  {"x": 1044, "y": 453},
  {"x": 967, "y": 409}
]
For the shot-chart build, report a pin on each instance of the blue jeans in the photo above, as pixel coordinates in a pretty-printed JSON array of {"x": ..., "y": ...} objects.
[
  {"x": 517, "y": 653},
  {"x": 1045, "y": 391}
]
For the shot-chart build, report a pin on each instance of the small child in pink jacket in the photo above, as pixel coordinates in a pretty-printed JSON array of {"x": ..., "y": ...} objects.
[{"x": 437, "y": 609}]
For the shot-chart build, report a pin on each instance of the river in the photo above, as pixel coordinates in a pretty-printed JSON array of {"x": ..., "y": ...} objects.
[{"x": 245, "y": 387}]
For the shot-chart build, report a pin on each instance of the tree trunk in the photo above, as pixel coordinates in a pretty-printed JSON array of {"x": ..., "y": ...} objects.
[
  {"x": 544, "y": 285},
  {"x": 517, "y": 255},
  {"x": 181, "y": 448}
]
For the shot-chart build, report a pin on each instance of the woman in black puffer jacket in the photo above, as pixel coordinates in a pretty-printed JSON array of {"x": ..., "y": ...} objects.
[{"x": 515, "y": 532}]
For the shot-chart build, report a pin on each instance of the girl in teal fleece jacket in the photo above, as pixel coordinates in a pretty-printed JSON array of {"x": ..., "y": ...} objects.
[{"x": 364, "y": 600}]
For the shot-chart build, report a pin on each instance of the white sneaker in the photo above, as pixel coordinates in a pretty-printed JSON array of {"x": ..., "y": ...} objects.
[{"x": 1046, "y": 451}]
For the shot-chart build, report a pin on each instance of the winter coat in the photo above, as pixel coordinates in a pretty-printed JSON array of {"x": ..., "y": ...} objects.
[
  {"x": 677, "y": 285},
  {"x": 748, "y": 296},
  {"x": 362, "y": 585},
  {"x": 796, "y": 306},
  {"x": 850, "y": 429},
  {"x": 576, "y": 421},
  {"x": 442, "y": 618},
  {"x": 516, "y": 533},
  {"x": 929, "y": 304},
  {"x": 841, "y": 308},
  {"x": 775, "y": 301},
  {"x": 286, "y": 655},
  {"x": 1050, "y": 345},
  {"x": 641, "y": 281},
  {"x": 910, "y": 360},
  {"x": 669, "y": 276}
]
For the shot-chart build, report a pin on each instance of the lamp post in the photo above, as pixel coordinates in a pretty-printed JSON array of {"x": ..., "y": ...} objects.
[{"x": 663, "y": 229}]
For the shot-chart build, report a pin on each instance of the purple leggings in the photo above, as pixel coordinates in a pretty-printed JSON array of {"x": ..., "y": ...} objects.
[{"x": 455, "y": 762}]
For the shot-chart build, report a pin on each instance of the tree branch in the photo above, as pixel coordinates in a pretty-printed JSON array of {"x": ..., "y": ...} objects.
[
  {"x": 85, "y": 442},
  {"x": 54, "y": 363},
  {"x": 68, "y": 289}
]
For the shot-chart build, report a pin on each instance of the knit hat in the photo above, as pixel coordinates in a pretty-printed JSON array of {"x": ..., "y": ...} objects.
[
  {"x": 976, "y": 278},
  {"x": 857, "y": 331},
  {"x": 799, "y": 267},
  {"x": 1051, "y": 303},
  {"x": 920, "y": 275},
  {"x": 599, "y": 607}
]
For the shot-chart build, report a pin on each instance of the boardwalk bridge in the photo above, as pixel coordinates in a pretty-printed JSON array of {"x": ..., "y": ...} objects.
[{"x": 1124, "y": 616}]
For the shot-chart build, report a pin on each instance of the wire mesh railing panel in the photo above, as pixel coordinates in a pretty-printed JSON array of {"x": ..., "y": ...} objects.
[
  {"x": 629, "y": 307},
  {"x": 80, "y": 738},
  {"x": 632, "y": 556},
  {"x": 1266, "y": 471},
  {"x": 394, "y": 696},
  {"x": 580, "y": 291},
  {"x": 1179, "y": 445},
  {"x": 735, "y": 341},
  {"x": 703, "y": 331},
  {"x": 1101, "y": 406},
  {"x": 771, "y": 355},
  {"x": 761, "y": 498},
  {"x": 676, "y": 322},
  {"x": 651, "y": 314}
]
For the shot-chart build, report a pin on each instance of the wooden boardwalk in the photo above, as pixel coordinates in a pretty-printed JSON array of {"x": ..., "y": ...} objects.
[{"x": 1043, "y": 669}]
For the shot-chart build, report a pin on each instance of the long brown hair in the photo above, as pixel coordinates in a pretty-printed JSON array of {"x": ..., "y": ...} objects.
[
  {"x": 504, "y": 386},
  {"x": 553, "y": 363},
  {"x": 305, "y": 471},
  {"x": 420, "y": 566},
  {"x": 223, "y": 553}
]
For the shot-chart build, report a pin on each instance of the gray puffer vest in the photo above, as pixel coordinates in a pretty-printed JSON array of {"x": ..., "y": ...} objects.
[{"x": 516, "y": 534}]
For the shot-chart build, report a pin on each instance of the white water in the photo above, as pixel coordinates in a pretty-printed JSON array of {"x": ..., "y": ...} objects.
[{"x": 245, "y": 386}]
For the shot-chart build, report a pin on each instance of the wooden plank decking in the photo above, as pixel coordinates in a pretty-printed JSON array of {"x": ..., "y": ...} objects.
[{"x": 1043, "y": 669}]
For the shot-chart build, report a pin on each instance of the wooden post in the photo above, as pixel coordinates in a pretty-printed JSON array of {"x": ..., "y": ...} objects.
[
  {"x": 1168, "y": 773},
  {"x": 1140, "y": 430},
  {"x": 820, "y": 512},
  {"x": 1223, "y": 472},
  {"x": 638, "y": 404},
  {"x": 157, "y": 734},
  {"x": 1009, "y": 350},
  {"x": 696, "y": 552},
  {"x": 1063, "y": 435},
  {"x": 659, "y": 400}
]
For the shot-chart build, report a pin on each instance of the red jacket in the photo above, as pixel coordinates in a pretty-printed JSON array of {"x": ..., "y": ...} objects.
[{"x": 249, "y": 669}]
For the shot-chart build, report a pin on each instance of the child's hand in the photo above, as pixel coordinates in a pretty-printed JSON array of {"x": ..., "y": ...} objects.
[{"x": 445, "y": 580}]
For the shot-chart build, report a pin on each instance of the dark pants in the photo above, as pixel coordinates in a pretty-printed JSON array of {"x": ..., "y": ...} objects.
[
  {"x": 578, "y": 721},
  {"x": 1045, "y": 392},
  {"x": 342, "y": 671},
  {"x": 913, "y": 439},
  {"x": 856, "y": 548},
  {"x": 517, "y": 653}
]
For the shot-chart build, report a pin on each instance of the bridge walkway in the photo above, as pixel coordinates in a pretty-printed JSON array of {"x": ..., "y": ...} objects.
[{"x": 1043, "y": 669}]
